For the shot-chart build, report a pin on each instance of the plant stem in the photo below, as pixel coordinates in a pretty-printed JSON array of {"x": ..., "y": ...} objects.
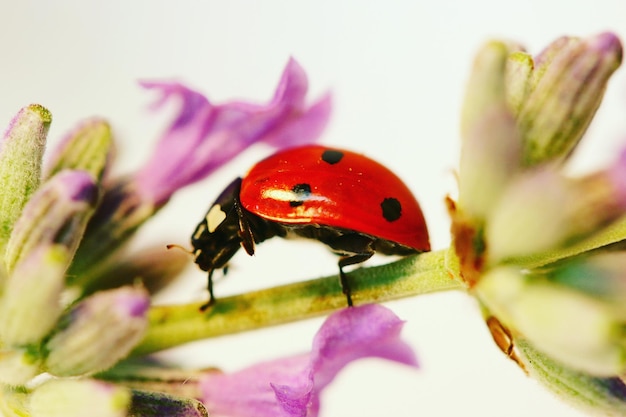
[{"x": 177, "y": 324}]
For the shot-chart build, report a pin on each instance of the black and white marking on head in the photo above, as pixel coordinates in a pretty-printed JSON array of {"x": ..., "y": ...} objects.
[
  {"x": 392, "y": 209},
  {"x": 214, "y": 217},
  {"x": 199, "y": 231},
  {"x": 302, "y": 193},
  {"x": 332, "y": 156}
]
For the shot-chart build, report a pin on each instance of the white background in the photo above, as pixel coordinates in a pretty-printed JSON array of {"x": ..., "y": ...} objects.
[{"x": 397, "y": 72}]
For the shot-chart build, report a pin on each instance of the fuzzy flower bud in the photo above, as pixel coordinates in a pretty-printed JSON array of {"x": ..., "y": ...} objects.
[
  {"x": 564, "y": 93},
  {"x": 89, "y": 147},
  {"x": 31, "y": 302},
  {"x": 79, "y": 398},
  {"x": 57, "y": 214},
  {"x": 534, "y": 247},
  {"x": 487, "y": 124},
  {"x": 519, "y": 70},
  {"x": 98, "y": 332},
  {"x": 21, "y": 152}
]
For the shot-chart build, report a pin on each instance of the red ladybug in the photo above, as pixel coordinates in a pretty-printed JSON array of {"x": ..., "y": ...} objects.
[{"x": 345, "y": 200}]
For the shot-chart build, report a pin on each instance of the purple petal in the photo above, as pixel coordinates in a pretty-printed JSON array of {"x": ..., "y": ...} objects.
[
  {"x": 291, "y": 387},
  {"x": 608, "y": 43},
  {"x": 205, "y": 136}
]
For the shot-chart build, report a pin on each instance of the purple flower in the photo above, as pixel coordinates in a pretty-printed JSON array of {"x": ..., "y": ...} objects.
[
  {"x": 291, "y": 387},
  {"x": 204, "y": 136}
]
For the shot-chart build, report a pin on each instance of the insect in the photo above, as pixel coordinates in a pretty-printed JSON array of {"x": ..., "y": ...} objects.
[{"x": 349, "y": 202}]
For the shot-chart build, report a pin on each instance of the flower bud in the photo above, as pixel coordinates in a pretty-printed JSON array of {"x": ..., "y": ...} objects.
[
  {"x": 491, "y": 148},
  {"x": 486, "y": 85},
  {"x": 20, "y": 164},
  {"x": 31, "y": 302},
  {"x": 572, "y": 327},
  {"x": 98, "y": 332},
  {"x": 88, "y": 147},
  {"x": 79, "y": 398},
  {"x": 57, "y": 213},
  {"x": 519, "y": 70},
  {"x": 565, "y": 91}
]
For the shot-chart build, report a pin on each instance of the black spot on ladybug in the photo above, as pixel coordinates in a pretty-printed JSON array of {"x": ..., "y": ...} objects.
[
  {"x": 302, "y": 193},
  {"x": 392, "y": 209},
  {"x": 332, "y": 156}
]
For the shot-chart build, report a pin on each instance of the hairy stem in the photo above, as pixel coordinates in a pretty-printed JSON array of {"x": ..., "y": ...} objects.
[{"x": 419, "y": 274}]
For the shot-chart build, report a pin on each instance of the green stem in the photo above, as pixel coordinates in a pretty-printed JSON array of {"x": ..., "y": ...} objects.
[{"x": 176, "y": 324}]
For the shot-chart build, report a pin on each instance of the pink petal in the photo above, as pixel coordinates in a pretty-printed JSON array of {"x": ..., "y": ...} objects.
[
  {"x": 291, "y": 387},
  {"x": 205, "y": 136}
]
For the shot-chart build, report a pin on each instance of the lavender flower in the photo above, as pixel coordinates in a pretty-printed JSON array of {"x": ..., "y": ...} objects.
[
  {"x": 56, "y": 213},
  {"x": 81, "y": 346},
  {"x": 542, "y": 251},
  {"x": 202, "y": 137},
  {"x": 292, "y": 386},
  {"x": 59, "y": 233},
  {"x": 35, "y": 286},
  {"x": 523, "y": 229}
]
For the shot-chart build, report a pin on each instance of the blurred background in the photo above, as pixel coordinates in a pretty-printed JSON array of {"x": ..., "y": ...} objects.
[{"x": 397, "y": 71}]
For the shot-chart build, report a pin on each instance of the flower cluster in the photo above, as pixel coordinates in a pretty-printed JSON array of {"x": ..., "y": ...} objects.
[
  {"x": 72, "y": 304},
  {"x": 542, "y": 251},
  {"x": 539, "y": 248}
]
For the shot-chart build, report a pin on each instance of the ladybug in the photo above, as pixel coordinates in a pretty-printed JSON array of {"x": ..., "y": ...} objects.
[{"x": 349, "y": 202}]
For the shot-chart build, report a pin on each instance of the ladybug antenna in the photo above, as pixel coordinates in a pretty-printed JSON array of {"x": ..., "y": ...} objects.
[{"x": 175, "y": 246}]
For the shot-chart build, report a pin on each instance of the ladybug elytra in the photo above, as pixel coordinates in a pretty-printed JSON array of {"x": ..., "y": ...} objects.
[{"x": 349, "y": 202}]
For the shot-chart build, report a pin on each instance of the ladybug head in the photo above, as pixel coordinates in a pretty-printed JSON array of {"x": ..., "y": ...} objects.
[{"x": 217, "y": 237}]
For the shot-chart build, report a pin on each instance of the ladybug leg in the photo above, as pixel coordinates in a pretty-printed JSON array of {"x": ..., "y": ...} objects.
[
  {"x": 245, "y": 231},
  {"x": 353, "y": 248},
  {"x": 209, "y": 287},
  {"x": 343, "y": 278}
]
